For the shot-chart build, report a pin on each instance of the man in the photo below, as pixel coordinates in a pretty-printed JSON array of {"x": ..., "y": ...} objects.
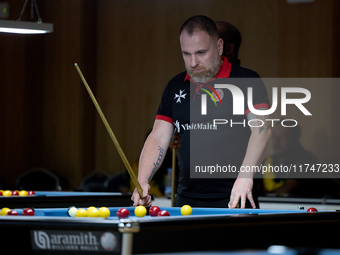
[
  {"x": 232, "y": 39},
  {"x": 201, "y": 50}
]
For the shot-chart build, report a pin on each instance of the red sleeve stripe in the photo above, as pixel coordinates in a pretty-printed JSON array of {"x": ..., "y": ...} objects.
[
  {"x": 165, "y": 118},
  {"x": 258, "y": 106}
]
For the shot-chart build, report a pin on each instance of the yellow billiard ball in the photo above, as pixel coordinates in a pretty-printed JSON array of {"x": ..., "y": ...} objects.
[
  {"x": 140, "y": 211},
  {"x": 7, "y": 193},
  {"x": 237, "y": 206},
  {"x": 81, "y": 213},
  {"x": 23, "y": 193},
  {"x": 91, "y": 208},
  {"x": 186, "y": 210},
  {"x": 94, "y": 213},
  {"x": 104, "y": 212},
  {"x": 4, "y": 211}
]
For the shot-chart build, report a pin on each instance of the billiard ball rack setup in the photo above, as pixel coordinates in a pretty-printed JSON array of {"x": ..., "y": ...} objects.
[{"x": 206, "y": 229}]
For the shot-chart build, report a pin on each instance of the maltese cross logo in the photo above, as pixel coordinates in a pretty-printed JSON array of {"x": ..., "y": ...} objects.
[{"x": 181, "y": 95}]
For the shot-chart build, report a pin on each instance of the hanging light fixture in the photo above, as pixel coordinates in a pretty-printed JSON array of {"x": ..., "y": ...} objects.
[{"x": 23, "y": 27}]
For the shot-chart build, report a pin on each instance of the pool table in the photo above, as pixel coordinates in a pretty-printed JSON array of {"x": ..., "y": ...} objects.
[
  {"x": 51, "y": 231},
  {"x": 284, "y": 203},
  {"x": 57, "y": 199}
]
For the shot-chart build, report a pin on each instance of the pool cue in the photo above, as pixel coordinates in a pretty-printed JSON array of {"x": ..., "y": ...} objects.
[
  {"x": 113, "y": 137},
  {"x": 173, "y": 177}
]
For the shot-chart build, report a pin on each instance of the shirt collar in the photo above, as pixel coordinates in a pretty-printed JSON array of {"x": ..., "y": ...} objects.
[{"x": 223, "y": 73}]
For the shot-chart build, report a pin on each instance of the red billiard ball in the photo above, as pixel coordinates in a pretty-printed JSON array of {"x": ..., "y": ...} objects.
[
  {"x": 154, "y": 210},
  {"x": 0, "y": 192},
  {"x": 123, "y": 213},
  {"x": 28, "y": 212},
  {"x": 312, "y": 209},
  {"x": 31, "y": 193},
  {"x": 163, "y": 213},
  {"x": 15, "y": 193},
  {"x": 13, "y": 213}
]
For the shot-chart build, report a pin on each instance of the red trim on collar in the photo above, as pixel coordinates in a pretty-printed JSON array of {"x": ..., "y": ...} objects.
[{"x": 223, "y": 73}]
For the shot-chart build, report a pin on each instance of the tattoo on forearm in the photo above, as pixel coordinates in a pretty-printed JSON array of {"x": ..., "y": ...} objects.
[
  {"x": 158, "y": 162},
  {"x": 262, "y": 124}
]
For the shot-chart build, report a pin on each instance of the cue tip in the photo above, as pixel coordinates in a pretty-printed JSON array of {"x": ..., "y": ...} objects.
[{"x": 75, "y": 64}]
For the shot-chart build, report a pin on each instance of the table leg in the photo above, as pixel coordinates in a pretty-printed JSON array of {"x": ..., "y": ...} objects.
[{"x": 127, "y": 243}]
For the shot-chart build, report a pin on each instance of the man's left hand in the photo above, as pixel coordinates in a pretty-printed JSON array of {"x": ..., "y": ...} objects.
[{"x": 242, "y": 189}]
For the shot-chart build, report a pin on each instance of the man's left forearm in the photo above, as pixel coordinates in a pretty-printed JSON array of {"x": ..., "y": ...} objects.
[{"x": 256, "y": 148}]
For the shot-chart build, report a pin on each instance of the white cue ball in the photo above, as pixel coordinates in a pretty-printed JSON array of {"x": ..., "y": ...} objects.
[{"x": 72, "y": 211}]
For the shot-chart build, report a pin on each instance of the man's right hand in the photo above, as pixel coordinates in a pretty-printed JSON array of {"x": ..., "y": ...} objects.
[
  {"x": 137, "y": 200},
  {"x": 174, "y": 144}
]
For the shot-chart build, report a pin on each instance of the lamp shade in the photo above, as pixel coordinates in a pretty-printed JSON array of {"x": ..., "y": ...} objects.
[{"x": 23, "y": 27}]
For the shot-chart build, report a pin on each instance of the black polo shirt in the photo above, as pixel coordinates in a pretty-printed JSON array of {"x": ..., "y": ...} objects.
[{"x": 179, "y": 96}]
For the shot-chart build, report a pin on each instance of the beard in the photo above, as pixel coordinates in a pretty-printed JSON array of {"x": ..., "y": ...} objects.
[{"x": 205, "y": 75}]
